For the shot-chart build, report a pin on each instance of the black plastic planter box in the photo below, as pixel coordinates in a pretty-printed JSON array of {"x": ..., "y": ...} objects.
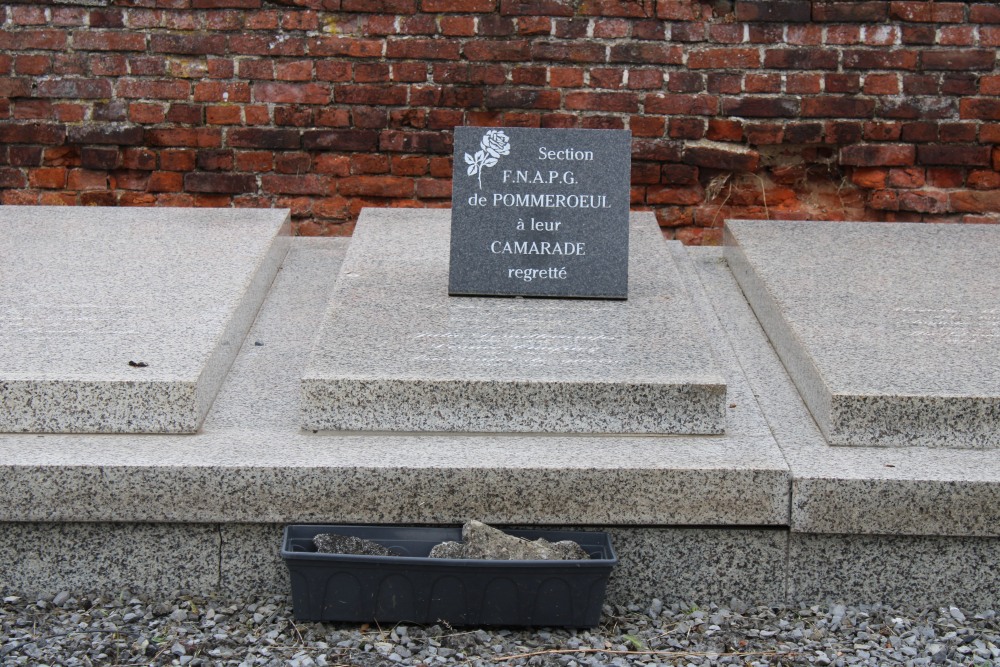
[{"x": 417, "y": 589}]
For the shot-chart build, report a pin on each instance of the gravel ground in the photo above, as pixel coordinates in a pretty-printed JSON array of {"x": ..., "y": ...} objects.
[{"x": 184, "y": 630}]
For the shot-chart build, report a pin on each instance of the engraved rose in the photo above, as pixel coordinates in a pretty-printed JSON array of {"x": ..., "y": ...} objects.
[{"x": 495, "y": 143}]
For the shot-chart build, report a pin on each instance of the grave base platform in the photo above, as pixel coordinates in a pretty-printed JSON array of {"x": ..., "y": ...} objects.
[{"x": 767, "y": 513}]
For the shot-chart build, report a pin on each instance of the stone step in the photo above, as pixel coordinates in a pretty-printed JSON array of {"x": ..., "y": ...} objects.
[
  {"x": 118, "y": 320},
  {"x": 396, "y": 353},
  {"x": 891, "y": 332}
]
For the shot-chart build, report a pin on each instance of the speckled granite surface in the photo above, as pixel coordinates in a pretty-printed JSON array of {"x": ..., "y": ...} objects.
[
  {"x": 890, "y": 331},
  {"x": 851, "y": 490},
  {"x": 126, "y": 320},
  {"x": 396, "y": 353},
  {"x": 251, "y": 463}
]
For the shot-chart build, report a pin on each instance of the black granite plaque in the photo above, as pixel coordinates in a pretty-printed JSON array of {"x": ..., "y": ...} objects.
[{"x": 540, "y": 213}]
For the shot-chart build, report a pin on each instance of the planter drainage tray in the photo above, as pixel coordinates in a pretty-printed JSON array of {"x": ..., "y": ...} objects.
[{"x": 414, "y": 588}]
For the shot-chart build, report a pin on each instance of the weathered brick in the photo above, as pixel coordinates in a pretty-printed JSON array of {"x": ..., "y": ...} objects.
[
  {"x": 984, "y": 13},
  {"x": 458, "y": 6},
  {"x": 48, "y": 177},
  {"x": 647, "y": 53},
  {"x": 48, "y": 40},
  {"x": 714, "y": 155},
  {"x": 350, "y": 47},
  {"x": 305, "y": 184},
  {"x": 153, "y": 89},
  {"x": 627, "y": 8},
  {"x": 838, "y": 107},
  {"x": 968, "y": 155},
  {"x": 697, "y": 105},
  {"x": 962, "y": 60},
  {"x": 415, "y": 142},
  {"x": 790, "y": 11},
  {"x": 590, "y": 101},
  {"x": 980, "y": 108},
  {"x": 340, "y": 140},
  {"x": 109, "y": 41},
  {"x": 862, "y": 11},
  {"x": 184, "y": 136},
  {"x": 292, "y": 93},
  {"x": 724, "y": 59},
  {"x": 761, "y": 107},
  {"x": 376, "y": 186},
  {"x": 928, "y": 12},
  {"x": 924, "y": 201},
  {"x": 537, "y": 7},
  {"x": 122, "y": 134},
  {"x": 878, "y": 155},
  {"x": 880, "y": 59},
  {"x": 75, "y": 88},
  {"x": 423, "y": 49},
  {"x": 370, "y": 94},
  {"x": 801, "y": 59},
  {"x": 32, "y": 133},
  {"x": 380, "y": 6},
  {"x": 975, "y": 201},
  {"x": 526, "y": 98},
  {"x": 192, "y": 44},
  {"x": 220, "y": 183}
]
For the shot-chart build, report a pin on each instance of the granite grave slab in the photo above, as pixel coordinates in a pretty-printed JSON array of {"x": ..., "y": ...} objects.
[
  {"x": 540, "y": 212},
  {"x": 396, "y": 353},
  {"x": 126, "y": 320},
  {"x": 891, "y": 332}
]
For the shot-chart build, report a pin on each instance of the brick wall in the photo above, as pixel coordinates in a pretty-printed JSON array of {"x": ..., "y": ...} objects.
[{"x": 859, "y": 109}]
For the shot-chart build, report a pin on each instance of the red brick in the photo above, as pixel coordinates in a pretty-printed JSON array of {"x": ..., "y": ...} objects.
[
  {"x": 627, "y": 8},
  {"x": 725, "y": 130},
  {"x": 801, "y": 59},
  {"x": 587, "y": 101},
  {"x": 423, "y": 49},
  {"x": 682, "y": 196},
  {"x": 878, "y": 155},
  {"x": 647, "y": 126},
  {"x": 12, "y": 178},
  {"x": 687, "y": 128},
  {"x": 100, "y": 158},
  {"x": 458, "y": 26},
  {"x": 345, "y": 46},
  {"x": 984, "y": 13},
  {"x": 370, "y": 95},
  {"x": 75, "y": 88},
  {"x": 928, "y": 12},
  {"x": 530, "y": 98},
  {"x": 975, "y": 201},
  {"x": 968, "y": 155},
  {"x": 684, "y": 82},
  {"x": 870, "y": 178},
  {"x": 761, "y": 107},
  {"x": 679, "y": 10},
  {"x": 220, "y": 183},
  {"x": 458, "y": 6},
  {"x": 761, "y": 134},
  {"x": 924, "y": 201},
  {"x": 380, "y": 6},
  {"x": 20, "y": 40},
  {"x": 109, "y": 41},
  {"x": 880, "y": 59},
  {"x": 982, "y": 179},
  {"x": 881, "y": 84},
  {"x": 47, "y": 177},
  {"x": 153, "y": 89},
  {"x": 415, "y": 142},
  {"x": 376, "y": 186},
  {"x": 537, "y": 7},
  {"x": 578, "y": 52},
  {"x": 838, "y": 107},
  {"x": 724, "y": 59},
  {"x": 721, "y": 156},
  {"x": 787, "y": 11},
  {"x": 912, "y": 177},
  {"x": 963, "y": 60},
  {"x": 945, "y": 177},
  {"x": 697, "y": 105},
  {"x": 93, "y": 133},
  {"x": 762, "y": 83},
  {"x": 138, "y": 158},
  {"x": 292, "y": 93},
  {"x": 200, "y": 137},
  {"x": 340, "y": 140},
  {"x": 306, "y": 184},
  {"x": 647, "y": 53},
  {"x": 140, "y": 112},
  {"x": 980, "y": 108},
  {"x": 274, "y": 139},
  {"x": 851, "y": 12},
  {"x": 32, "y": 133}
]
